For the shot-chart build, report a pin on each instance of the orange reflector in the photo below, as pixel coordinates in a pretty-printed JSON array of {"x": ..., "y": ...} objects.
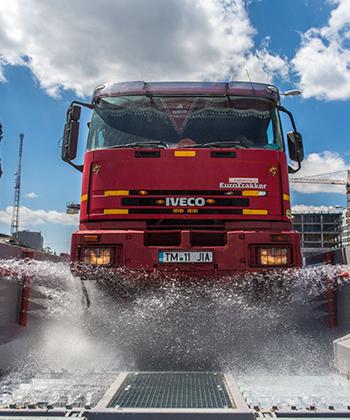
[
  {"x": 178, "y": 210},
  {"x": 255, "y": 212},
  {"x": 185, "y": 153},
  {"x": 286, "y": 197},
  {"x": 253, "y": 193},
  {"x": 84, "y": 197},
  {"x": 143, "y": 192},
  {"x": 115, "y": 211},
  {"x": 90, "y": 238},
  {"x": 116, "y": 192},
  {"x": 210, "y": 201},
  {"x": 160, "y": 202}
]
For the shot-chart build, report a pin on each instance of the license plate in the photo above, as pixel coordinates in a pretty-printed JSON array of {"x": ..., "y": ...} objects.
[{"x": 185, "y": 257}]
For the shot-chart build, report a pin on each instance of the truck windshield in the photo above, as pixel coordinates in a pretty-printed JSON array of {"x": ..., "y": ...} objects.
[{"x": 185, "y": 122}]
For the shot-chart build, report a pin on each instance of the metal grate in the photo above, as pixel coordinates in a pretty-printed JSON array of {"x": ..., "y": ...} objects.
[{"x": 173, "y": 390}]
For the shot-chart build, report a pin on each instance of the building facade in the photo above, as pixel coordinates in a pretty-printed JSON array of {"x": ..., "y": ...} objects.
[{"x": 319, "y": 231}]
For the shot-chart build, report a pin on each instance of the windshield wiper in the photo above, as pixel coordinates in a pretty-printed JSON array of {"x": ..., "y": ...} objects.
[
  {"x": 141, "y": 144},
  {"x": 237, "y": 144}
]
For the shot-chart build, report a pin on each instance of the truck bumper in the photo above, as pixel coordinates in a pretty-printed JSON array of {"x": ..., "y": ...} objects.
[{"x": 231, "y": 251}]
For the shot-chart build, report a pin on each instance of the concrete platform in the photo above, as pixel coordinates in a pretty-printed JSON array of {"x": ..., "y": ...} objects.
[{"x": 171, "y": 396}]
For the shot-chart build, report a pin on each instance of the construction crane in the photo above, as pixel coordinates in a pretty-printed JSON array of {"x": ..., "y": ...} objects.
[
  {"x": 72, "y": 208},
  {"x": 1, "y": 137},
  {"x": 15, "y": 214},
  {"x": 317, "y": 179}
]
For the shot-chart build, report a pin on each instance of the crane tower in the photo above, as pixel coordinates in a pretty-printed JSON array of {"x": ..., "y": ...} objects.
[{"x": 15, "y": 214}]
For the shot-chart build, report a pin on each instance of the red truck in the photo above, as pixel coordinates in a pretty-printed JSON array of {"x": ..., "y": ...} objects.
[{"x": 189, "y": 177}]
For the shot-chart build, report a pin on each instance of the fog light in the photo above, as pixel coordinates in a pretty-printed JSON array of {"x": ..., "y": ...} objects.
[
  {"x": 273, "y": 256},
  {"x": 97, "y": 256}
]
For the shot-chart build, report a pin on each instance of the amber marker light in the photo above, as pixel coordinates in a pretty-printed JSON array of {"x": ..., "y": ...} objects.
[
  {"x": 143, "y": 192},
  {"x": 192, "y": 210},
  {"x": 160, "y": 202},
  {"x": 210, "y": 201},
  {"x": 178, "y": 210},
  {"x": 279, "y": 238},
  {"x": 185, "y": 153},
  {"x": 90, "y": 238}
]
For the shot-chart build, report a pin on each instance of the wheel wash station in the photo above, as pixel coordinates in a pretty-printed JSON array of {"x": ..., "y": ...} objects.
[{"x": 192, "y": 179}]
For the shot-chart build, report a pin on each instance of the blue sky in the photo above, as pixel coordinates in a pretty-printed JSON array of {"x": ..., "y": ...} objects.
[{"x": 293, "y": 43}]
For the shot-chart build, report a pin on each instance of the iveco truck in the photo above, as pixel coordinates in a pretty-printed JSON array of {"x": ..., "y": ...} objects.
[{"x": 186, "y": 177}]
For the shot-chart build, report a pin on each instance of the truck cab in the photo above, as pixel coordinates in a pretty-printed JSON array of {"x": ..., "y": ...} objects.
[{"x": 185, "y": 177}]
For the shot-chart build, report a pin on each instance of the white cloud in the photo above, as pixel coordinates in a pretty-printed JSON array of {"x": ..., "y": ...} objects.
[
  {"x": 31, "y": 195},
  {"x": 302, "y": 208},
  {"x": 29, "y": 216},
  {"x": 77, "y": 45},
  {"x": 322, "y": 163},
  {"x": 323, "y": 60}
]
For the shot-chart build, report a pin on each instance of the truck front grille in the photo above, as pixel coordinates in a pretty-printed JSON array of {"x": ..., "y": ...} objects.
[
  {"x": 185, "y": 224},
  {"x": 162, "y": 238},
  {"x": 208, "y": 238},
  {"x": 221, "y": 202},
  {"x": 190, "y": 193},
  {"x": 183, "y": 210},
  {"x": 197, "y": 238}
]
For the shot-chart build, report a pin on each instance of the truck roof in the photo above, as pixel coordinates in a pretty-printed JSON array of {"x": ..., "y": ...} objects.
[{"x": 188, "y": 88}]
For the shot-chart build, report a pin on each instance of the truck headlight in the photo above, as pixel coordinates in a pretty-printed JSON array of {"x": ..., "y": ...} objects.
[
  {"x": 273, "y": 256},
  {"x": 97, "y": 256}
]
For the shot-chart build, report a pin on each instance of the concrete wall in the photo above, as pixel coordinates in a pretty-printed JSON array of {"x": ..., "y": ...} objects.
[
  {"x": 10, "y": 295},
  {"x": 33, "y": 240},
  {"x": 8, "y": 251},
  {"x": 343, "y": 305},
  {"x": 11, "y": 289}
]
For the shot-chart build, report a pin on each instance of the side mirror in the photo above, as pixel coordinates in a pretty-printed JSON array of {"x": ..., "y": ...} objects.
[
  {"x": 71, "y": 134},
  {"x": 295, "y": 146}
]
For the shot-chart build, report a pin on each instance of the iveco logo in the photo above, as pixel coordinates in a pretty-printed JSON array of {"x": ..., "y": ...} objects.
[{"x": 185, "y": 201}]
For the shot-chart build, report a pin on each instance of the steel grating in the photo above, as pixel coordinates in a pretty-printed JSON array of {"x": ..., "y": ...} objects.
[{"x": 173, "y": 390}]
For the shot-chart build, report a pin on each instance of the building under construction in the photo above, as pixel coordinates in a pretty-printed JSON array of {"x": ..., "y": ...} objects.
[
  {"x": 325, "y": 229},
  {"x": 319, "y": 231}
]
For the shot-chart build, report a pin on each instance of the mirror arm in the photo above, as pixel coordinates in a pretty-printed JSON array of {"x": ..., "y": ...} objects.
[
  {"x": 292, "y": 170},
  {"x": 77, "y": 167},
  {"x": 290, "y": 115},
  {"x": 87, "y": 105}
]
